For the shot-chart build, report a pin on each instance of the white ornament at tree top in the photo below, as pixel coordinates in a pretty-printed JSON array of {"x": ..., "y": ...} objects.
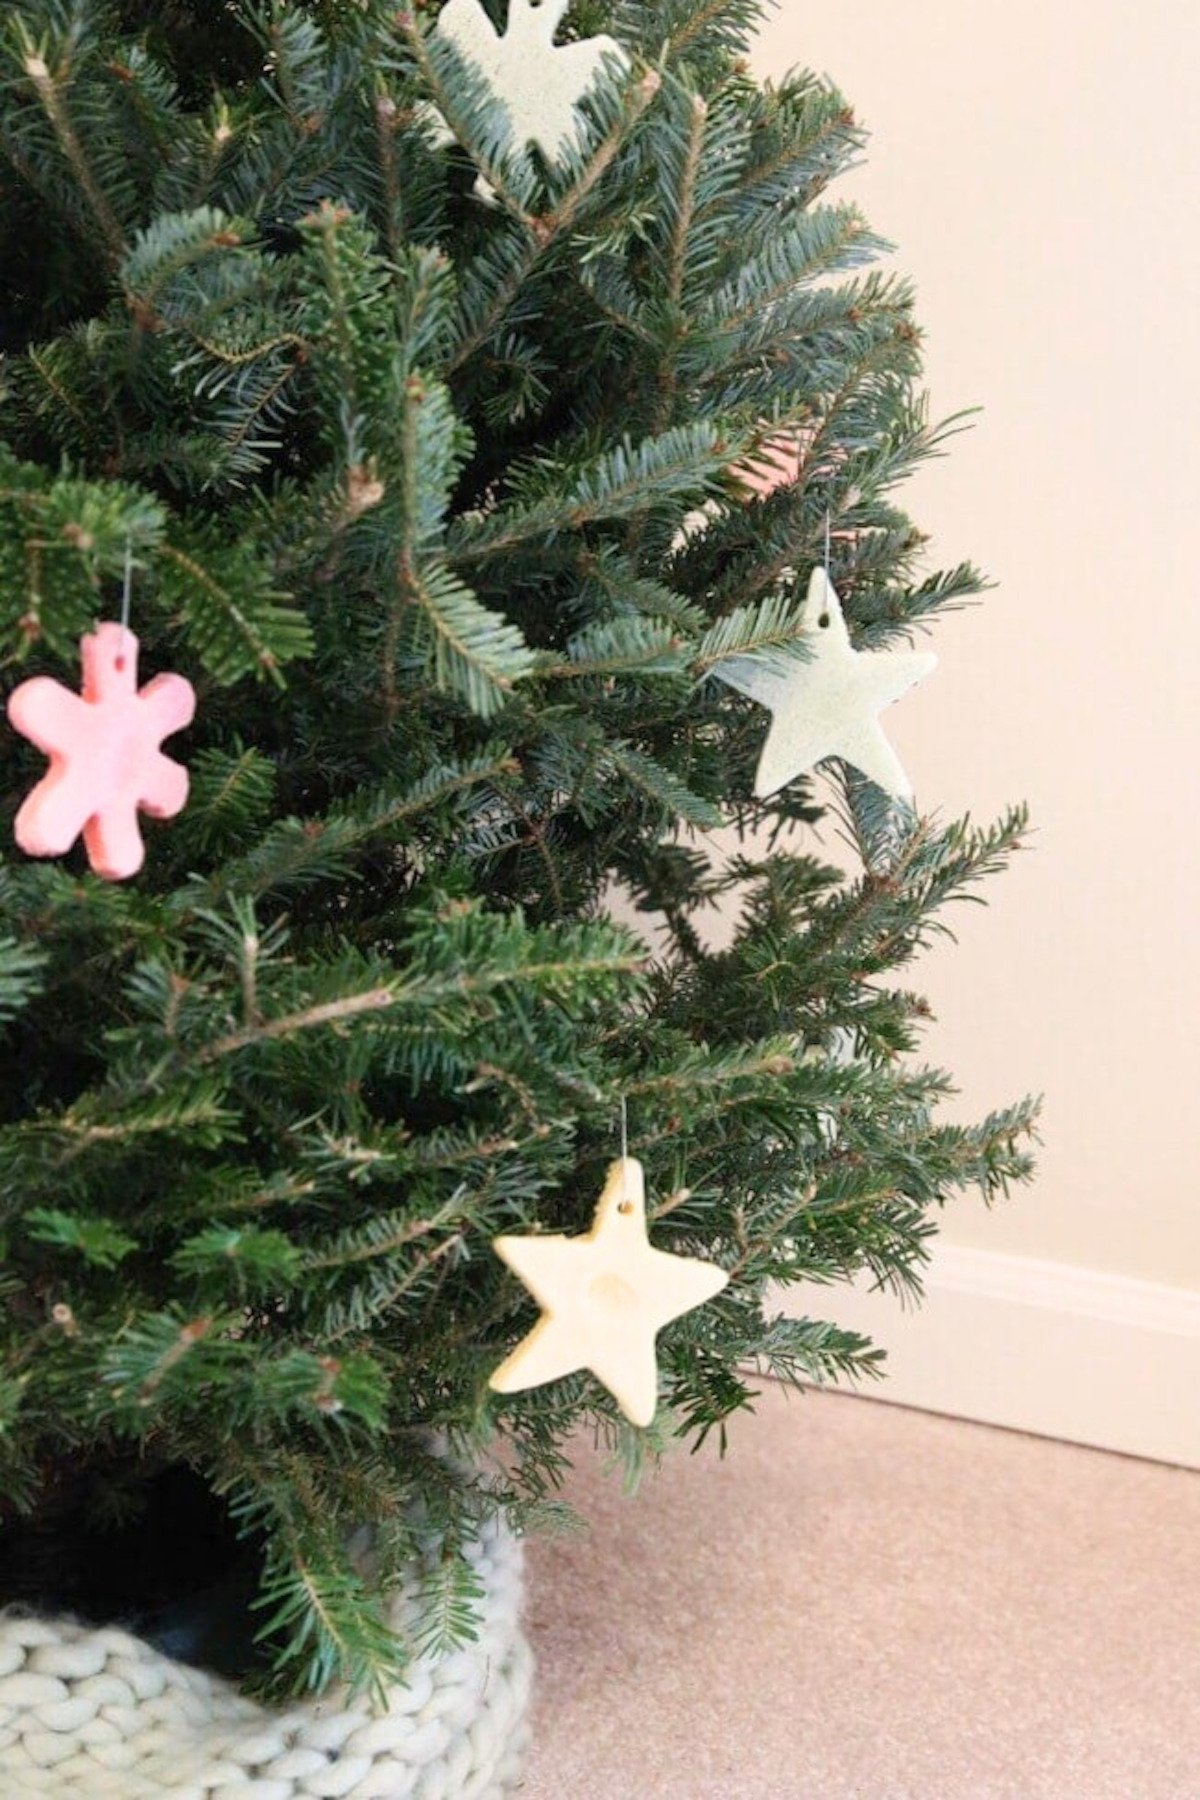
[
  {"x": 604, "y": 1299},
  {"x": 540, "y": 83},
  {"x": 829, "y": 705}
]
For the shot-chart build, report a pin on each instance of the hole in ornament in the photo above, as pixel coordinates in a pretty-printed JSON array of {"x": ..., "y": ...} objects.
[
  {"x": 155, "y": 1553},
  {"x": 626, "y": 1207},
  {"x": 823, "y": 621},
  {"x": 612, "y": 1294},
  {"x": 119, "y": 665}
]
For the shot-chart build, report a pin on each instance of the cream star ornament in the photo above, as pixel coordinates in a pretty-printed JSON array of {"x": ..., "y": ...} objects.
[
  {"x": 604, "y": 1298},
  {"x": 829, "y": 705},
  {"x": 540, "y": 83}
]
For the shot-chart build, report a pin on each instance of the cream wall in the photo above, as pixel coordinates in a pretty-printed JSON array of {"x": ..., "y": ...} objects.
[{"x": 1038, "y": 164}]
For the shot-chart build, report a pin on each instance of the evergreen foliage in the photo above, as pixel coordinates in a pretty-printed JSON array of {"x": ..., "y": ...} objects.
[{"x": 404, "y": 464}]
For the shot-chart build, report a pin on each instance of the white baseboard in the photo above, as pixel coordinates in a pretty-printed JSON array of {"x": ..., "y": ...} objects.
[{"x": 1037, "y": 1346}]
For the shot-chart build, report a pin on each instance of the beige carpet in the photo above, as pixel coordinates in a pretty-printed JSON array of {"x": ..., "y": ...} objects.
[{"x": 865, "y": 1603}]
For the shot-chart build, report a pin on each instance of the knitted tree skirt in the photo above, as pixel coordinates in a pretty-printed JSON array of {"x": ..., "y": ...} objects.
[{"x": 99, "y": 1715}]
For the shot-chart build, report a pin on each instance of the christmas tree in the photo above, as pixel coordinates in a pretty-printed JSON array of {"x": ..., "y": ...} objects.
[{"x": 426, "y": 438}]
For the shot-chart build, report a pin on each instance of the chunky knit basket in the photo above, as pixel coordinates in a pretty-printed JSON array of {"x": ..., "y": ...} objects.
[{"x": 99, "y": 1715}]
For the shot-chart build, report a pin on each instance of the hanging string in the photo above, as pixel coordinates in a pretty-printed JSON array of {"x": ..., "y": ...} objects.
[
  {"x": 126, "y": 598},
  {"x": 127, "y": 586},
  {"x": 625, "y": 1204},
  {"x": 823, "y": 621}
]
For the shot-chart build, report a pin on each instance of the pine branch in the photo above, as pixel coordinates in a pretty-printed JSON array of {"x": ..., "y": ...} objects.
[
  {"x": 449, "y": 1600},
  {"x": 470, "y": 651},
  {"x": 501, "y": 284},
  {"x": 619, "y": 648},
  {"x": 683, "y": 464},
  {"x": 475, "y": 118},
  {"x": 664, "y": 788},
  {"x": 51, "y": 87},
  {"x": 226, "y": 597},
  {"x": 770, "y": 626},
  {"x": 22, "y": 968},
  {"x": 297, "y": 852}
]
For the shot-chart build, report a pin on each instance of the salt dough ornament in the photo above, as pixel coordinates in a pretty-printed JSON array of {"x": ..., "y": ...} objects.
[
  {"x": 829, "y": 705},
  {"x": 105, "y": 760},
  {"x": 776, "y": 465},
  {"x": 604, "y": 1299},
  {"x": 539, "y": 83}
]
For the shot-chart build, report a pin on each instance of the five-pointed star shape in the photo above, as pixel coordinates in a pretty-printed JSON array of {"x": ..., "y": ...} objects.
[
  {"x": 540, "y": 83},
  {"x": 829, "y": 705},
  {"x": 105, "y": 761},
  {"x": 604, "y": 1299}
]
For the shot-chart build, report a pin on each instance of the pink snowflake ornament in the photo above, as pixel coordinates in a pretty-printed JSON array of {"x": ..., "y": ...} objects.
[
  {"x": 777, "y": 464},
  {"x": 106, "y": 764}
]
